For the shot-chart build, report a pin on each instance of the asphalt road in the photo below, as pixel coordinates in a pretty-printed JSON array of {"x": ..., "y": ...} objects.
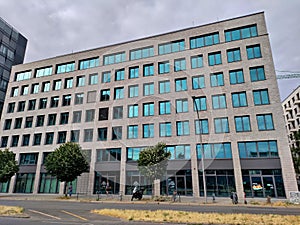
[{"x": 74, "y": 212}]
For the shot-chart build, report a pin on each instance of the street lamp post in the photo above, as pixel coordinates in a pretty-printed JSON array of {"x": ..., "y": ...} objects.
[{"x": 201, "y": 148}]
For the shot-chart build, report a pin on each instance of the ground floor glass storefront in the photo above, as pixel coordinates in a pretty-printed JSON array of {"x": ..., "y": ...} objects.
[
  {"x": 49, "y": 184},
  {"x": 4, "y": 187},
  {"x": 107, "y": 181},
  {"x": 24, "y": 183},
  {"x": 134, "y": 178}
]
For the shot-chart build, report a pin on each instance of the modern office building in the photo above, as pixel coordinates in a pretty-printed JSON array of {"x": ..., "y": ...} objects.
[
  {"x": 12, "y": 50},
  {"x": 207, "y": 89}
]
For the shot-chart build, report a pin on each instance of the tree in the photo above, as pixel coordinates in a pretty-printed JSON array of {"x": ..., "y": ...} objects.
[
  {"x": 8, "y": 165},
  {"x": 67, "y": 162},
  {"x": 153, "y": 161}
]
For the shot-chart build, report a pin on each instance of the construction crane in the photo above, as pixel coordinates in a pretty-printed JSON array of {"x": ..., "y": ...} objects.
[{"x": 288, "y": 76}]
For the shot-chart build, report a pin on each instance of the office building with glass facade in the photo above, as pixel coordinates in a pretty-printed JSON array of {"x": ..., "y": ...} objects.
[{"x": 209, "y": 92}]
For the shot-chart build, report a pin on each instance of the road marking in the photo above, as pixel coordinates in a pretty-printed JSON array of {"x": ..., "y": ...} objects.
[
  {"x": 44, "y": 214},
  {"x": 72, "y": 214}
]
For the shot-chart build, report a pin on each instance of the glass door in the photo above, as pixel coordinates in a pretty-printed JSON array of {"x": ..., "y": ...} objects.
[
  {"x": 257, "y": 186},
  {"x": 269, "y": 187},
  {"x": 181, "y": 186}
]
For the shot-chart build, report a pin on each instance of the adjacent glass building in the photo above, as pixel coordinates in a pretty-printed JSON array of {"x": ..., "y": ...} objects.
[{"x": 209, "y": 92}]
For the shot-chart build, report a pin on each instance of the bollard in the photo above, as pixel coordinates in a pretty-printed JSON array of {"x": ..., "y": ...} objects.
[
  {"x": 120, "y": 196},
  {"x": 213, "y": 198}
]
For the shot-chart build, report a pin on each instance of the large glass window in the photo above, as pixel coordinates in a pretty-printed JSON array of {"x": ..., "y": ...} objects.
[
  {"x": 117, "y": 112},
  {"x": 148, "y": 89},
  {"x": 164, "y": 87},
  {"x": 241, "y": 33},
  {"x": 109, "y": 155},
  {"x": 201, "y": 126},
  {"x": 14, "y": 92},
  {"x": 198, "y": 82},
  {"x": 120, "y": 74},
  {"x": 49, "y": 138},
  {"x": 57, "y": 85},
  {"x": 179, "y": 65},
  {"x": 174, "y": 46},
  {"x": 179, "y": 152},
  {"x": 25, "y": 90},
  {"x": 68, "y": 82},
  {"x": 43, "y": 103},
  {"x": 102, "y": 134},
  {"x": 25, "y": 75},
  {"x": 37, "y": 138},
  {"x": 40, "y": 120},
  {"x": 216, "y": 79},
  {"x": 75, "y": 134},
  {"x": 61, "y": 137},
  {"x": 148, "y": 109},
  {"x": 47, "y": 71},
  {"x": 197, "y": 61},
  {"x": 103, "y": 114},
  {"x": 7, "y": 124},
  {"x": 64, "y": 118},
  {"x": 199, "y": 103},
  {"x": 89, "y": 115},
  {"x": 133, "y": 111},
  {"x": 31, "y": 104},
  {"x": 142, "y": 53},
  {"x": 114, "y": 58},
  {"x": 35, "y": 88},
  {"x": 117, "y": 133},
  {"x": 204, "y": 40},
  {"x": 214, "y": 58},
  {"x": 77, "y": 116},
  {"x": 51, "y": 119},
  {"x": 93, "y": 79},
  {"x": 148, "y": 130},
  {"x": 148, "y": 70},
  {"x": 15, "y": 141},
  {"x": 46, "y": 86},
  {"x": 183, "y": 128},
  {"x": 28, "y": 158},
  {"x": 265, "y": 122},
  {"x": 79, "y": 98},
  {"x": 164, "y": 107},
  {"x": 253, "y": 51},
  {"x": 119, "y": 93},
  {"x": 88, "y": 63},
  {"x": 181, "y": 84},
  {"x": 104, "y": 95},
  {"x": 133, "y": 91},
  {"x": 182, "y": 105},
  {"x": 221, "y": 125},
  {"x": 11, "y": 107},
  {"x": 133, "y": 72},
  {"x": 163, "y": 67},
  {"x": 239, "y": 99},
  {"x": 261, "y": 97},
  {"x": 66, "y": 100},
  {"x": 28, "y": 121},
  {"x": 257, "y": 73},
  {"x": 242, "y": 123},
  {"x": 165, "y": 129},
  {"x": 258, "y": 149},
  {"x": 214, "y": 151},
  {"x": 106, "y": 77},
  {"x": 132, "y": 131},
  {"x": 66, "y": 67},
  {"x": 88, "y": 135},
  {"x": 219, "y": 101},
  {"x": 80, "y": 82},
  {"x": 236, "y": 76},
  {"x": 233, "y": 55}
]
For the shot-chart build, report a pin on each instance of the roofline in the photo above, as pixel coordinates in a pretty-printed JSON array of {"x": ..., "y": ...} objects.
[{"x": 290, "y": 94}]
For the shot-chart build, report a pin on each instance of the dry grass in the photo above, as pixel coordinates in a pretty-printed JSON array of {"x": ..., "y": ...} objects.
[
  {"x": 10, "y": 210},
  {"x": 199, "y": 218}
]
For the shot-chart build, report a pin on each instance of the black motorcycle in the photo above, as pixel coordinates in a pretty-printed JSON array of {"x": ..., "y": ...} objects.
[{"x": 138, "y": 194}]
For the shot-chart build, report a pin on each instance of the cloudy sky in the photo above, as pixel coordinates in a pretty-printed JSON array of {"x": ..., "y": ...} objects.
[{"x": 57, "y": 27}]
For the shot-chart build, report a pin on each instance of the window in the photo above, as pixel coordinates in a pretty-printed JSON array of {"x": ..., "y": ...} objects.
[
  {"x": 216, "y": 79},
  {"x": 221, "y": 125},
  {"x": 103, "y": 114},
  {"x": 164, "y": 87},
  {"x": 197, "y": 61},
  {"x": 35, "y": 88},
  {"x": 148, "y": 70},
  {"x": 88, "y": 63},
  {"x": 181, "y": 84},
  {"x": 201, "y": 126},
  {"x": 253, "y": 51},
  {"x": 198, "y": 82},
  {"x": 119, "y": 93},
  {"x": 241, "y": 33},
  {"x": 179, "y": 65},
  {"x": 133, "y": 153},
  {"x": 49, "y": 138},
  {"x": 261, "y": 97},
  {"x": 142, "y": 53},
  {"x": 133, "y": 91},
  {"x": 91, "y": 96},
  {"x": 75, "y": 135},
  {"x": 239, "y": 99},
  {"x": 66, "y": 100},
  {"x": 120, "y": 74},
  {"x": 14, "y": 92},
  {"x": 77, "y": 116},
  {"x": 79, "y": 98},
  {"x": 57, "y": 85},
  {"x": 199, "y": 103},
  {"x": 46, "y": 86},
  {"x": 26, "y": 75},
  {"x": 164, "y": 107},
  {"x": 61, "y": 137},
  {"x": 109, "y": 155},
  {"x": 28, "y": 158},
  {"x": 265, "y": 122},
  {"x": 183, "y": 128},
  {"x": 89, "y": 115},
  {"x": 18, "y": 123},
  {"x": 117, "y": 112},
  {"x": 15, "y": 141},
  {"x": 242, "y": 123},
  {"x": 117, "y": 133},
  {"x": 47, "y": 71},
  {"x": 21, "y": 106},
  {"x": 257, "y": 73},
  {"x": 214, "y": 151},
  {"x": 64, "y": 118},
  {"x": 174, "y": 46},
  {"x": 4, "y": 140},
  {"x": 133, "y": 72},
  {"x": 51, "y": 119},
  {"x": 233, "y": 55},
  {"x": 25, "y": 90},
  {"x": 68, "y": 83},
  {"x": 28, "y": 121},
  {"x": 163, "y": 67},
  {"x": 132, "y": 131},
  {"x": 133, "y": 111},
  {"x": 40, "y": 120},
  {"x": 214, "y": 58},
  {"x": 102, "y": 134},
  {"x": 148, "y": 89},
  {"x": 236, "y": 76},
  {"x": 165, "y": 129},
  {"x": 104, "y": 95},
  {"x": 31, "y": 104},
  {"x": 182, "y": 105},
  {"x": 114, "y": 58},
  {"x": 80, "y": 82},
  {"x": 204, "y": 40},
  {"x": 93, "y": 79},
  {"x": 258, "y": 149},
  {"x": 43, "y": 103},
  {"x": 219, "y": 101},
  {"x": 7, "y": 124},
  {"x": 88, "y": 135},
  {"x": 148, "y": 109},
  {"x": 106, "y": 77},
  {"x": 148, "y": 130},
  {"x": 11, "y": 107},
  {"x": 179, "y": 152},
  {"x": 54, "y": 101},
  {"x": 37, "y": 139},
  {"x": 66, "y": 67}
]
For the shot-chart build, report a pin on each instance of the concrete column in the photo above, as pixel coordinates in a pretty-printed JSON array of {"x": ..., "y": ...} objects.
[
  {"x": 156, "y": 191},
  {"x": 38, "y": 174},
  {"x": 237, "y": 171},
  {"x": 13, "y": 178},
  {"x": 123, "y": 170},
  {"x": 194, "y": 169}
]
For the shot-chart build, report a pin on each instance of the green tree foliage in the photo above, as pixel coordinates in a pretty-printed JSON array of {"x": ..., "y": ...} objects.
[
  {"x": 153, "y": 161},
  {"x": 295, "y": 149},
  {"x": 67, "y": 162},
  {"x": 8, "y": 165}
]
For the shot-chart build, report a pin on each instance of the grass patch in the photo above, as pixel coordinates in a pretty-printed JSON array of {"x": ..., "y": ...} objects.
[
  {"x": 10, "y": 210},
  {"x": 198, "y": 218}
]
